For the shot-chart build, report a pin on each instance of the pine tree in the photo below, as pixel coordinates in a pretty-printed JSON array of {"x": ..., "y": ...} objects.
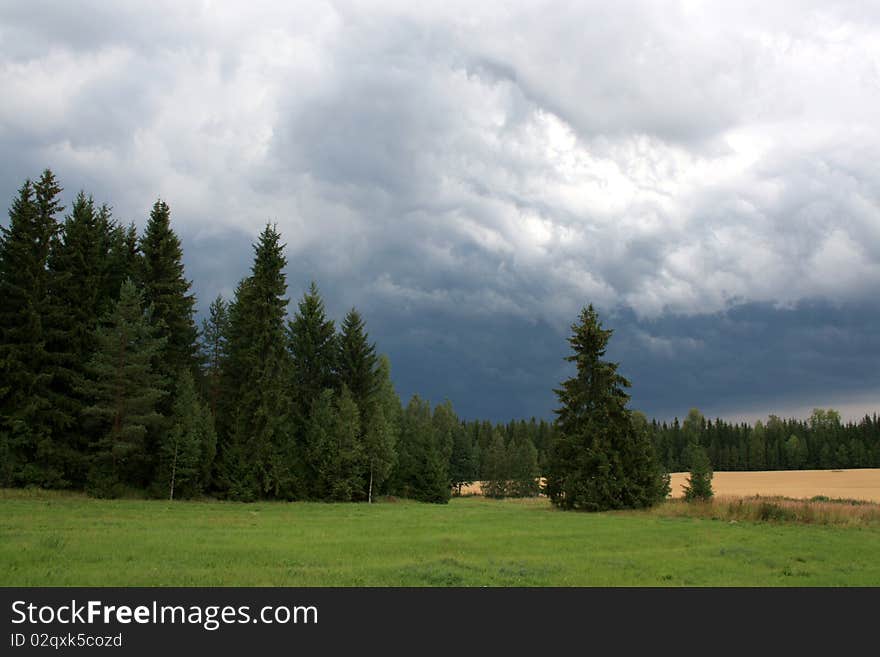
[
  {"x": 125, "y": 389},
  {"x": 599, "y": 460},
  {"x": 312, "y": 343},
  {"x": 699, "y": 484},
  {"x": 497, "y": 468},
  {"x": 257, "y": 450},
  {"x": 168, "y": 292},
  {"x": 181, "y": 448},
  {"x": 27, "y": 414}
]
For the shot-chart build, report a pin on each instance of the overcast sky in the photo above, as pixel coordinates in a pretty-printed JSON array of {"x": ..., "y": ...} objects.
[{"x": 471, "y": 174}]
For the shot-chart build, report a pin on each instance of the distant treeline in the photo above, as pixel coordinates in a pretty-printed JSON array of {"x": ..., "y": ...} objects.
[
  {"x": 108, "y": 385},
  {"x": 818, "y": 443}
]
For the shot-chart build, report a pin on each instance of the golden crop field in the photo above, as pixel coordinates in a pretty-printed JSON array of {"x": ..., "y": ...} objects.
[{"x": 861, "y": 484}]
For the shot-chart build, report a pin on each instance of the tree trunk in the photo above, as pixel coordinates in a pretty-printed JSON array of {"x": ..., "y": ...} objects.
[
  {"x": 173, "y": 472},
  {"x": 370, "y": 491}
]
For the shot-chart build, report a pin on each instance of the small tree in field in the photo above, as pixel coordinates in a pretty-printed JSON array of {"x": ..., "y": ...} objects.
[{"x": 699, "y": 484}]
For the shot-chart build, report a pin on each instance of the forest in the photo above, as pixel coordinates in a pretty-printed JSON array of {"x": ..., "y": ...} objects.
[{"x": 110, "y": 386}]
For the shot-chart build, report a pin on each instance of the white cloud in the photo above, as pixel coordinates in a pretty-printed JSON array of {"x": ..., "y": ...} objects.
[{"x": 491, "y": 157}]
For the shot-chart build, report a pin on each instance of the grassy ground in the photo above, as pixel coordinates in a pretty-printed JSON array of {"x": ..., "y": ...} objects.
[{"x": 68, "y": 540}]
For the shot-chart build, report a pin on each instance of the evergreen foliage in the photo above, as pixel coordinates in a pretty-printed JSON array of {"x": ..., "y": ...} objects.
[
  {"x": 215, "y": 329},
  {"x": 291, "y": 410},
  {"x": 125, "y": 390},
  {"x": 356, "y": 359},
  {"x": 421, "y": 472},
  {"x": 79, "y": 266},
  {"x": 465, "y": 458},
  {"x": 522, "y": 467},
  {"x": 381, "y": 431},
  {"x": 258, "y": 449},
  {"x": 167, "y": 291},
  {"x": 185, "y": 447},
  {"x": 496, "y": 470},
  {"x": 27, "y": 412},
  {"x": 313, "y": 351},
  {"x": 599, "y": 460},
  {"x": 699, "y": 484},
  {"x": 347, "y": 466}
]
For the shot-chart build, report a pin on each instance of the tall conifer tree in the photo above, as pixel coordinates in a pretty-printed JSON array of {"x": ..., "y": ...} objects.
[
  {"x": 168, "y": 292},
  {"x": 27, "y": 415},
  {"x": 257, "y": 447},
  {"x": 599, "y": 460},
  {"x": 79, "y": 267}
]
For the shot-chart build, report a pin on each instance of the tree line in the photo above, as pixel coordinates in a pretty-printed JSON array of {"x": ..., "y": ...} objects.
[
  {"x": 108, "y": 385},
  {"x": 820, "y": 442}
]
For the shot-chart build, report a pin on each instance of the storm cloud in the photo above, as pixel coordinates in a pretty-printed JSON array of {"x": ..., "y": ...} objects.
[{"x": 471, "y": 175}]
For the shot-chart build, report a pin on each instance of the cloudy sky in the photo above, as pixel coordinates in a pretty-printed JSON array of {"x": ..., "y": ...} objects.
[{"x": 471, "y": 174}]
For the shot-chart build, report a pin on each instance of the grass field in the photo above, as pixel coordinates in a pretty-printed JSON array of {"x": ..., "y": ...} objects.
[{"x": 69, "y": 540}]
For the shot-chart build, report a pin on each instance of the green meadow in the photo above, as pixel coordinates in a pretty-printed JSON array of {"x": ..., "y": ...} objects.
[{"x": 56, "y": 539}]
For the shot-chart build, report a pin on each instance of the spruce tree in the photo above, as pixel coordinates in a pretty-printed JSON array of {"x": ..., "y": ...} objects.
[
  {"x": 215, "y": 330},
  {"x": 27, "y": 412},
  {"x": 124, "y": 258},
  {"x": 356, "y": 359},
  {"x": 699, "y": 483},
  {"x": 125, "y": 390},
  {"x": 421, "y": 471},
  {"x": 599, "y": 460},
  {"x": 312, "y": 343},
  {"x": 168, "y": 292},
  {"x": 257, "y": 448},
  {"x": 79, "y": 266}
]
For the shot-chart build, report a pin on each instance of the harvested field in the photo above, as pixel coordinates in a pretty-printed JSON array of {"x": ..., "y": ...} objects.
[{"x": 862, "y": 484}]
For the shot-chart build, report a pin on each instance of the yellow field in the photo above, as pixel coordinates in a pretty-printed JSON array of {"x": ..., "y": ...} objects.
[{"x": 863, "y": 484}]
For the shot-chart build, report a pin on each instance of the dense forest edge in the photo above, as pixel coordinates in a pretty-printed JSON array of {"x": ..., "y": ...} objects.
[{"x": 108, "y": 385}]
